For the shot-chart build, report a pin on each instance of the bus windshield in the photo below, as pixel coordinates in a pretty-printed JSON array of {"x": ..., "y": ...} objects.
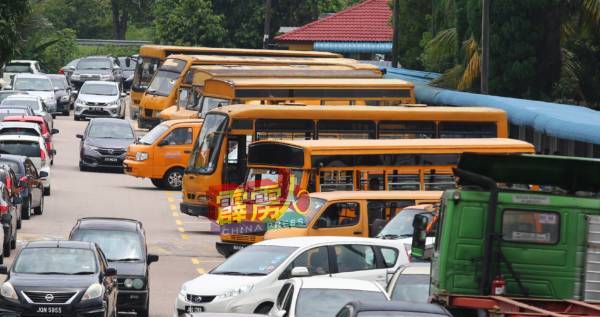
[
  {"x": 163, "y": 83},
  {"x": 209, "y": 103},
  {"x": 204, "y": 158}
]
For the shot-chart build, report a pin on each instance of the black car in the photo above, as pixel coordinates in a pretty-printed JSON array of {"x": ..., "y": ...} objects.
[
  {"x": 124, "y": 243},
  {"x": 106, "y": 68},
  {"x": 31, "y": 187},
  {"x": 128, "y": 67},
  {"x": 9, "y": 209},
  {"x": 392, "y": 308},
  {"x": 60, "y": 278},
  {"x": 104, "y": 143},
  {"x": 62, "y": 91}
]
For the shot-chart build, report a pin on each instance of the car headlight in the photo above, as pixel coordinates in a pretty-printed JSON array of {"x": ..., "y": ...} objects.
[
  {"x": 8, "y": 291},
  {"x": 235, "y": 292},
  {"x": 64, "y": 98},
  {"x": 138, "y": 283},
  {"x": 113, "y": 103},
  {"x": 141, "y": 156},
  {"x": 106, "y": 77},
  {"x": 50, "y": 100},
  {"x": 79, "y": 102},
  {"x": 90, "y": 147},
  {"x": 94, "y": 291}
]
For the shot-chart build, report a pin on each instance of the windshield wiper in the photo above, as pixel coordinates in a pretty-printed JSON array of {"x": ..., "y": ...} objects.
[
  {"x": 239, "y": 273},
  {"x": 81, "y": 273},
  {"x": 389, "y": 236},
  {"x": 124, "y": 260}
]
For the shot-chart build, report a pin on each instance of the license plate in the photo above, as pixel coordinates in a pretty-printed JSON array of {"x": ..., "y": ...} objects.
[
  {"x": 194, "y": 309},
  {"x": 238, "y": 246},
  {"x": 97, "y": 109},
  {"x": 49, "y": 310},
  {"x": 110, "y": 159}
]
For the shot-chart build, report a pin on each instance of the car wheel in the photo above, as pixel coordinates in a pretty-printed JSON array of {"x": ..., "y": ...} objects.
[
  {"x": 66, "y": 112},
  {"x": 173, "y": 179},
  {"x": 19, "y": 221},
  {"x": 6, "y": 247},
  {"x": 13, "y": 241},
  {"x": 158, "y": 182},
  {"x": 26, "y": 209},
  {"x": 83, "y": 168},
  {"x": 142, "y": 313},
  {"x": 53, "y": 116},
  {"x": 40, "y": 209},
  {"x": 77, "y": 118},
  {"x": 47, "y": 191}
]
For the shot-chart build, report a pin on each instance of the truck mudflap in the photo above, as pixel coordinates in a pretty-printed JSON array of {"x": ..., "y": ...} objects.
[{"x": 521, "y": 307}]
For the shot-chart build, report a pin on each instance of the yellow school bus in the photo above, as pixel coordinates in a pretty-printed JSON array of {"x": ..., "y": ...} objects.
[
  {"x": 189, "y": 99},
  {"x": 219, "y": 155},
  {"x": 150, "y": 57},
  {"x": 162, "y": 90}
]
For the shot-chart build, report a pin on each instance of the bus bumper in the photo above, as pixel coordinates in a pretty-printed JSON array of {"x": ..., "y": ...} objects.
[
  {"x": 193, "y": 210},
  {"x": 227, "y": 249}
]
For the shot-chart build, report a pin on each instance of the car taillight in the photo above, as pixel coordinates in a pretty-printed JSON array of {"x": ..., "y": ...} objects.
[
  {"x": 42, "y": 155},
  {"x": 61, "y": 71},
  {"x": 3, "y": 209}
]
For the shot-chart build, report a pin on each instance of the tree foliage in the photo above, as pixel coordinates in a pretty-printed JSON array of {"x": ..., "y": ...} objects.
[
  {"x": 188, "y": 22},
  {"x": 11, "y": 15}
]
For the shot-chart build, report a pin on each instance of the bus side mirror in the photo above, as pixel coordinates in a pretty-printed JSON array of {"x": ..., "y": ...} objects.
[{"x": 419, "y": 237}]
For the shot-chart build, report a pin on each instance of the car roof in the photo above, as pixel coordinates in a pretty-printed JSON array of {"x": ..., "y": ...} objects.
[
  {"x": 13, "y": 137},
  {"x": 69, "y": 244},
  {"x": 12, "y": 157},
  {"x": 338, "y": 283},
  {"x": 301, "y": 242},
  {"x": 111, "y": 120},
  {"x": 99, "y": 223},
  {"x": 22, "y": 61},
  {"x": 399, "y": 306},
  {"x": 22, "y": 97},
  {"x": 12, "y": 92},
  {"x": 100, "y": 82},
  {"x": 20, "y": 124},
  {"x": 417, "y": 268},
  {"x": 28, "y": 75},
  {"x": 56, "y": 76}
]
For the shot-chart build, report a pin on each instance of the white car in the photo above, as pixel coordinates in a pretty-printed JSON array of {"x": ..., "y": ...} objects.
[
  {"x": 20, "y": 128},
  {"x": 34, "y": 102},
  {"x": 37, "y": 85},
  {"x": 19, "y": 66},
  {"x": 33, "y": 147},
  {"x": 248, "y": 281},
  {"x": 411, "y": 283},
  {"x": 99, "y": 99},
  {"x": 323, "y": 296}
]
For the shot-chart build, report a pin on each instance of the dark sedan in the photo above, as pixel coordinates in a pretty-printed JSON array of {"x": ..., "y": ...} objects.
[
  {"x": 104, "y": 143},
  {"x": 60, "y": 278},
  {"x": 62, "y": 91},
  {"x": 123, "y": 241}
]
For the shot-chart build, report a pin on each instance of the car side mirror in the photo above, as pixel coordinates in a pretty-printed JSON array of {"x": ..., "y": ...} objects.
[
  {"x": 71, "y": 68},
  {"x": 320, "y": 223},
  {"x": 3, "y": 269},
  {"x": 54, "y": 131},
  {"x": 79, "y": 136},
  {"x": 7, "y": 87},
  {"x": 300, "y": 271},
  {"x": 151, "y": 258},
  {"x": 57, "y": 88},
  {"x": 53, "y": 152},
  {"x": 43, "y": 174},
  {"x": 110, "y": 271},
  {"x": 123, "y": 94},
  {"x": 419, "y": 237},
  {"x": 163, "y": 142}
]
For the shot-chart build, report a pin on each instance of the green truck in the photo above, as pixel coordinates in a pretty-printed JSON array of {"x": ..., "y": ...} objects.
[{"x": 520, "y": 236}]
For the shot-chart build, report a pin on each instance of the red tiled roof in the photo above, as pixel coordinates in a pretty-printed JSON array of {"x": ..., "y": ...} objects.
[{"x": 368, "y": 21}]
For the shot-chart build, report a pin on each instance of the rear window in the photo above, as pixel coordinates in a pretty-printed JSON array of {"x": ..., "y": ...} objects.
[
  {"x": 18, "y": 131},
  {"x": 25, "y": 148},
  {"x": 530, "y": 226},
  {"x": 18, "y": 68}
]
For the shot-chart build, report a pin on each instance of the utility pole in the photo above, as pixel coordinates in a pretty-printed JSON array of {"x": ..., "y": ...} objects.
[
  {"x": 485, "y": 45},
  {"x": 395, "y": 33},
  {"x": 267, "y": 29}
]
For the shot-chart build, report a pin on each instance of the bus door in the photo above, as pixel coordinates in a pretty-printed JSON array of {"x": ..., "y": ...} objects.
[{"x": 234, "y": 167}]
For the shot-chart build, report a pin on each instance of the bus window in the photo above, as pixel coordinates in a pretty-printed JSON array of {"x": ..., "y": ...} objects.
[
  {"x": 341, "y": 215},
  {"x": 343, "y": 129},
  {"x": 284, "y": 129},
  {"x": 209, "y": 103},
  {"x": 404, "y": 182},
  {"x": 336, "y": 180},
  {"x": 407, "y": 130},
  {"x": 434, "y": 180},
  {"x": 467, "y": 130}
]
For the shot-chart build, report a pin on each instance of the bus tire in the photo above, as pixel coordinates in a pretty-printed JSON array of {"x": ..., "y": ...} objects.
[{"x": 173, "y": 179}]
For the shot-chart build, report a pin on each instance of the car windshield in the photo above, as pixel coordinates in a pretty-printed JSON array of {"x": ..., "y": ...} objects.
[
  {"x": 25, "y": 148},
  {"x": 99, "y": 89},
  {"x": 55, "y": 261},
  {"x": 18, "y": 68},
  {"x": 401, "y": 226},
  {"x": 411, "y": 288},
  {"x": 33, "y": 84},
  {"x": 327, "y": 302},
  {"x": 21, "y": 102},
  {"x": 12, "y": 112},
  {"x": 18, "y": 131},
  {"x": 154, "y": 134},
  {"x": 254, "y": 260},
  {"x": 110, "y": 131},
  {"x": 59, "y": 82},
  {"x": 163, "y": 82},
  {"x": 95, "y": 63},
  {"x": 116, "y": 245},
  {"x": 209, "y": 103},
  {"x": 204, "y": 157}
]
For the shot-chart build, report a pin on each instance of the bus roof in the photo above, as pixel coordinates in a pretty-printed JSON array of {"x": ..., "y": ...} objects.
[
  {"x": 181, "y": 121},
  {"x": 382, "y": 194},
  {"x": 570, "y": 173},
  {"x": 393, "y": 146},
  {"x": 346, "y": 83},
  {"x": 162, "y": 51},
  {"x": 266, "y": 60},
  {"x": 354, "y": 112}
]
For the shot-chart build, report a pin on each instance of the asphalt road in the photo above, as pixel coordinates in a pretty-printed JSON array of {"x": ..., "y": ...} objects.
[{"x": 185, "y": 244}]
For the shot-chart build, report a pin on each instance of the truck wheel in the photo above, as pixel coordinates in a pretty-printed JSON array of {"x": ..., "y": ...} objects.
[{"x": 173, "y": 179}]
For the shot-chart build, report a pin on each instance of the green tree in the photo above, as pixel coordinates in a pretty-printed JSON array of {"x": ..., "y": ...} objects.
[
  {"x": 188, "y": 22},
  {"x": 88, "y": 18},
  {"x": 243, "y": 21},
  {"x": 11, "y": 15},
  {"x": 413, "y": 30}
]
